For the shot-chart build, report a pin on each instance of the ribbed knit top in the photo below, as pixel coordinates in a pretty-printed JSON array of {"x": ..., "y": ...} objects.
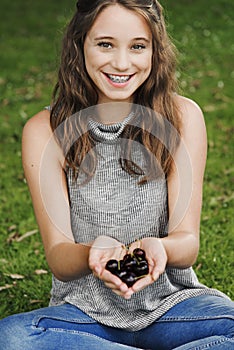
[{"x": 112, "y": 203}]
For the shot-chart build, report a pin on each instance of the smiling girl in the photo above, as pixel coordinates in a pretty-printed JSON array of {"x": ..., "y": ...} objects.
[
  {"x": 117, "y": 163},
  {"x": 118, "y": 53}
]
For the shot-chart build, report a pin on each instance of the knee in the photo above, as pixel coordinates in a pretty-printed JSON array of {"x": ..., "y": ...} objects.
[
  {"x": 225, "y": 327},
  {"x": 13, "y": 330},
  {"x": 7, "y": 330},
  {"x": 230, "y": 328}
]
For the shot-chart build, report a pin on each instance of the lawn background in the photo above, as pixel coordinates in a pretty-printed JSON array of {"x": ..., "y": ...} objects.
[{"x": 30, "y": 34}]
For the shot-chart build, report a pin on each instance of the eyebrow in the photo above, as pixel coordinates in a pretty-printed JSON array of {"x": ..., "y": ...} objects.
[{"x": 111, "y": 38}]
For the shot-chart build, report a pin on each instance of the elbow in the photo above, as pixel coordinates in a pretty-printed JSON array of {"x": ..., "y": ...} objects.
[
  {"x": 193, "y": 252},
  {"x": 58, "y": 273},
  {"x": 194, "y": 260},
  {"x": 61, "y": 277},
  {"x": 186, "y": 252},
  {"x": 196, "y": 248},
  {"x": 68, "y": 277},
  {"x": 68, "y": 261},
  {"x": 57, "y": 269}
]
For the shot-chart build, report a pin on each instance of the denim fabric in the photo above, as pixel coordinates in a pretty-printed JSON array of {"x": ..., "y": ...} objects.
[{"x": 198, "y": 323}]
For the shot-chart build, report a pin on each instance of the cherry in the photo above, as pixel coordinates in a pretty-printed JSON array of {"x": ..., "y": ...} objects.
[
  {"x": 139, "y": 253},
  {"x": 142, "y": 268},
  {"x": 127, "y": 257},
  {"x": 130, "y": 268},
  {"x": 129, "y": 264},
  {"x": 129, "y": 279},
  {"x": 121, "y": 274},
  {"x": 112, "y": 265}
]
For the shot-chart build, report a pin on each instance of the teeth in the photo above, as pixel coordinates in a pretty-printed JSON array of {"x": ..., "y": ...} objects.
[{"x": 119, "y": 78}]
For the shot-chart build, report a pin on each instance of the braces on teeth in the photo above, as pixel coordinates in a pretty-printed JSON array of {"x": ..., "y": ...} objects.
[{"x": 119, "y": 79}]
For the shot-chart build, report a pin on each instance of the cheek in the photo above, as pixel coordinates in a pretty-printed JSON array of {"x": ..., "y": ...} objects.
[
  {"x": 89, "y": 57},
  {"x": 86, "y": 60},
  {"x": 94, "y": 62},
  {"x": 147, "y": 65}
]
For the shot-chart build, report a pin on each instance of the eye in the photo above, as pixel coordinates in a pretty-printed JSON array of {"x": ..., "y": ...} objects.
[
  {"x": 138, "y": 47},
  {"x": 105, "y": 45}
]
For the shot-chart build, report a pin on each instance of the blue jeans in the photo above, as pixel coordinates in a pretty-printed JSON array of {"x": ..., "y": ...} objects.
[{"x": 198, "y": 323}]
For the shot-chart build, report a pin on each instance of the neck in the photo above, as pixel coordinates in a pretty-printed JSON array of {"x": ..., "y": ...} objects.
[{"x": 112, "y": 112}]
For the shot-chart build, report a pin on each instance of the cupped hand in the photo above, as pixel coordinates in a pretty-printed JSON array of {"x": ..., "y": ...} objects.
[{"x": 103, "y": 249}]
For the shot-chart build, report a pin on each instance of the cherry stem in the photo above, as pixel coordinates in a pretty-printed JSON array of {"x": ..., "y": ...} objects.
[
  {"x": 138, "y": 240},
  {"x": 139, "y": 277}
]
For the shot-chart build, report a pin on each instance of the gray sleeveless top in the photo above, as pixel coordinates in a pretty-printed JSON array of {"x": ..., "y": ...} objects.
[{"x": 113, "y": 204}]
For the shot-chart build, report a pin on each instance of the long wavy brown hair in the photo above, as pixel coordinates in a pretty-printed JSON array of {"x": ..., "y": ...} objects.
[{"x": 75, "y": 92}]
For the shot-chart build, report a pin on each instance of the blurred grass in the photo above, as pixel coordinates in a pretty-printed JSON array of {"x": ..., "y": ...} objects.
[{"x": 29, "y": 46}]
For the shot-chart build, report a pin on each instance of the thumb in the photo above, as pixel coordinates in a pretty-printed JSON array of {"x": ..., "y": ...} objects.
[{"x": 157, "y": 270}]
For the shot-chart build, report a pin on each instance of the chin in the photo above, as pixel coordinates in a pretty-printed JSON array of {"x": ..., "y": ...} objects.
[{"x": 119, "y": 97}]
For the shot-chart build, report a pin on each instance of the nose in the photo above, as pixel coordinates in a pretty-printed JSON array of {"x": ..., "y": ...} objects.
[{"x": 121, "y": 60}]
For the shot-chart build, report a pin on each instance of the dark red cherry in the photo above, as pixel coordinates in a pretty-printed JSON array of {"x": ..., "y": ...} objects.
[
  {"x": 112, "y": 265},
  {"x": 130, "y": 268},
  {"x": 121, "y": 274},
  {"x": 129, "y": 279},
  {"x": 129, "y": 264},
  {"x": 139, "y": 253},
  {"x": 127, "y": 257},
  {"x": 141, "y": 268}
]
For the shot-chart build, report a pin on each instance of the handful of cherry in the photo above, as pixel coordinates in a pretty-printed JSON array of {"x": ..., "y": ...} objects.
[{"x": 130, "y": 268}]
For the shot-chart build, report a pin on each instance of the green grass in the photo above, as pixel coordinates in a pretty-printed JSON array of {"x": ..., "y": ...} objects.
[{"x": 29, "y": 46}]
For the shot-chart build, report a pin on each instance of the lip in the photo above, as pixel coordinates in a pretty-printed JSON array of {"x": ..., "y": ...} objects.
[{"x": 118, "y": 85}]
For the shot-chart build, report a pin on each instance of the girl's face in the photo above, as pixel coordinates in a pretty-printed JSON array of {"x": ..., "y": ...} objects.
[{"x": 118, "y": 53}]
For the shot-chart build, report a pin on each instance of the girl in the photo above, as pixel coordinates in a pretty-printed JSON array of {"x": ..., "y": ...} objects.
[{"x": 115, "y": 164}]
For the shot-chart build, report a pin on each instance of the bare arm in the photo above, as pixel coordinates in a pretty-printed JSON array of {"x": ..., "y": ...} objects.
[
  {"x": 185, "y": 189},
  {"x": 43, "y": 166}
]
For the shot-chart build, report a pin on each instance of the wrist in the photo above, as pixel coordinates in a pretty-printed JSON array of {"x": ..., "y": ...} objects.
[{"x": 164, "y": 246}]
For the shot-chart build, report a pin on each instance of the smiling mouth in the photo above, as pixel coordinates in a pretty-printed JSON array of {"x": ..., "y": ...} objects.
[{"x": 119, "y": 79}]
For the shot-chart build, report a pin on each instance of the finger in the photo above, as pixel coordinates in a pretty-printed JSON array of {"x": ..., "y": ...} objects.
[
  {"x": 156, "y": 273},
  {"x": 157, "y": 270},
  {"x": 97, "y": 269},
  {"x": 112, "y": 281},
  {"x": 121, "y": 294},
  {"x": 142, "y": 283},
  {"x": 120, "y": 290},
  {"x": 125, "y": 294},
  {"x": 123, "y": 288},
  {"x": 94, "y": 261},
  {"x": 111, "y": 285},
  {"x": 128, "y": 293}
]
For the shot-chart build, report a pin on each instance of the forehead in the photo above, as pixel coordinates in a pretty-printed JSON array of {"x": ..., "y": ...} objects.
[{"x": 117, "y": 21}]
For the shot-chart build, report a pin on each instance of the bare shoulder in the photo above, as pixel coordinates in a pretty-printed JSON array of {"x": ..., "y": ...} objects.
[
  {"x": 37, "y": 125},
  {"x": 37, "y": 137},
  {"x": 190, "y": 111},
  {"x": 192, "y": 118}
]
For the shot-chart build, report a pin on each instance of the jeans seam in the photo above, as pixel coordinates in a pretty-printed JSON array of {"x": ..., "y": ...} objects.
[
  {"x": 198, "y": 318},
  {"x": 36, "y": 320},
  {"x": 210, "y": 344},
  {"x": 86, "y": 334}
]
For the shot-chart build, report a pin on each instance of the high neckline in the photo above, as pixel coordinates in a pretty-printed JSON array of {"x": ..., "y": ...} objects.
[{"x": 107, "y": 133}]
